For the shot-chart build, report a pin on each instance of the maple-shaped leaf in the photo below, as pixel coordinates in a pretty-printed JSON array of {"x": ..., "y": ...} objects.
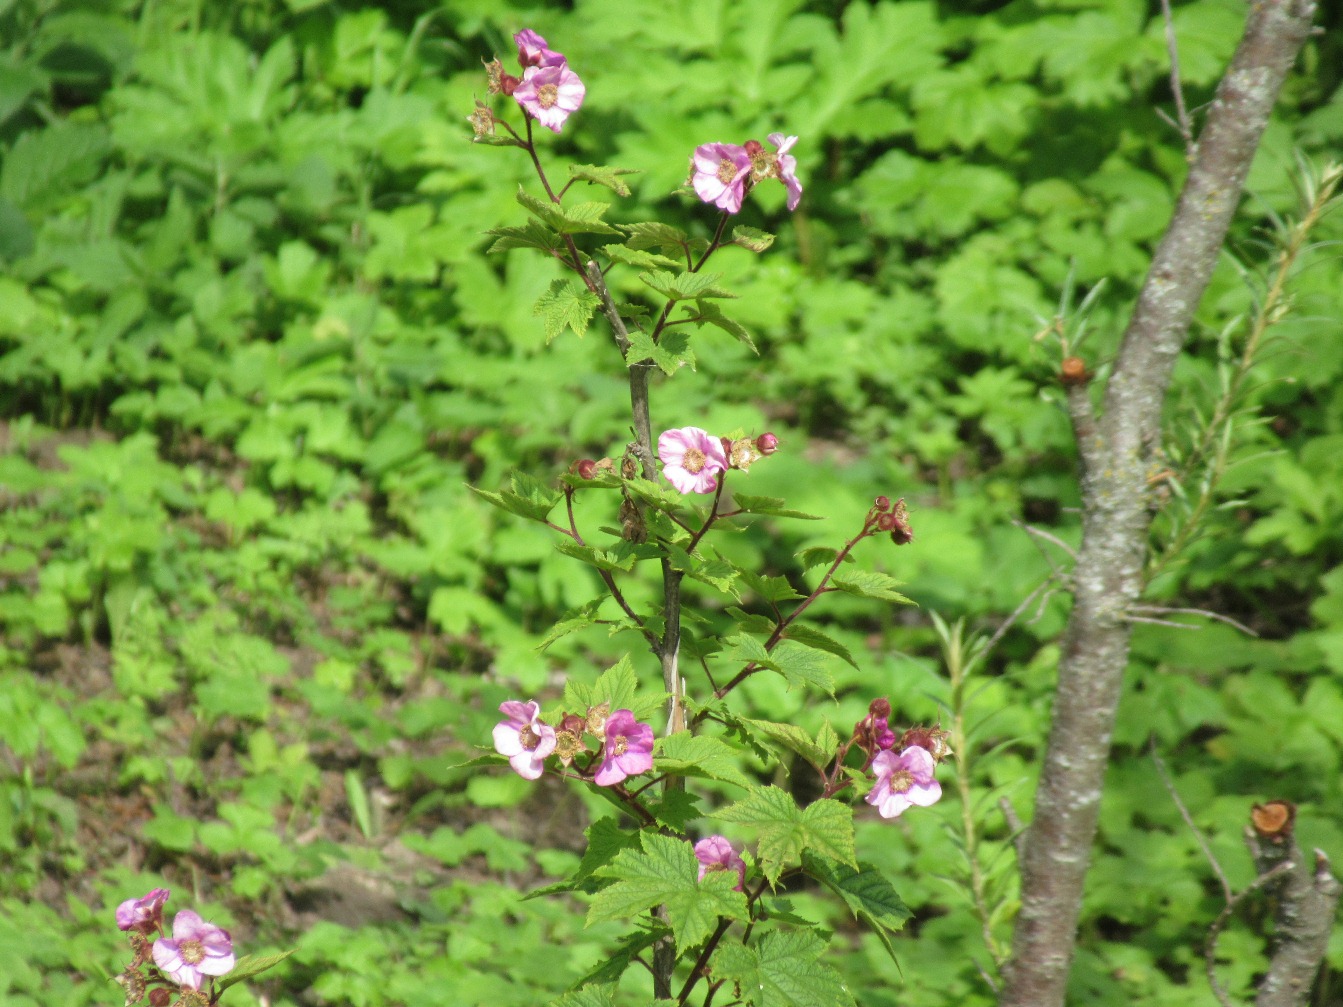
[
  {"x": 785, "y": 830},
  {"x": 567, "y": 304},
  {"x": 869, "y": 584},
  {"x": 666, "y": 873},
  {"x": 781, "y": 970}
]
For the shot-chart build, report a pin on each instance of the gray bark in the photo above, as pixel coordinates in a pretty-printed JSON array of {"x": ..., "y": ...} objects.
[{"x": 1108, "y": 577}]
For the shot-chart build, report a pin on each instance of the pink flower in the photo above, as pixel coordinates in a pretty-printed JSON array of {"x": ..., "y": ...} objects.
[
  {"x": 629, "y": 749},
  {"x": 532, "y": 50},
  {"x": 785, "y": 167},
  {"x": 144, "y": 915},
  {"x": 691, "y": 458},
  {"x": 524, "y": 738},
  {"x": 550, "y": 94},
  {"x": 716, "y": 854},
  {"x": 195, "y": 950},
  {"x": 903, "y": 780},
  {"x": 720, "y": 171}
]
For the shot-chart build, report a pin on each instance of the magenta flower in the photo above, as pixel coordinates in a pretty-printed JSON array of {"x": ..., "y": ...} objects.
[
  {"x": 532, "y": 50},
  {"x": 196, "y": 949},
  {"x": 550, "y": 94},
  {"x": 629, "y": 749},
  {"x": 143, "y": 915},
  {"x": 785, "y": 167},
  {"x": 720, "y": 171},
  {"x": 903, "y": 780},
  {"x": 691, "y": 458},
  {"x": 716, "y": 854},
  {"x": 524, "y": 738}
]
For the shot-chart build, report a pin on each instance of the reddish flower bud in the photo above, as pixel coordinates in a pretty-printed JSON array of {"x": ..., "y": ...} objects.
[
  {"x": 882, "y": 503},
  {"x": 753, "y": 148},
  {"x": 885, "y": 522},
  {"x": 767, "y": 444},
  {"x": 508, "y": 83},
  {"x": 160, "y": 996},
  {"x": 879, "y": 707},
  {"x": 573, "y": 723},
  {"x": 586, "y": 468}
]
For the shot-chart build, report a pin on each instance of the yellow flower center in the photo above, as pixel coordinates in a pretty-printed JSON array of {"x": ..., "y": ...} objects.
[
  {"x": 547, "y": 95},
  {"x": 528, "y": 738},
  {"x": 619, "y": 744},
  {"x": 192, "y": 952},
  {"x": 727, "y": 171},
  {"x": 901, "y": 781},
  {"x": 694, "y": 460}
]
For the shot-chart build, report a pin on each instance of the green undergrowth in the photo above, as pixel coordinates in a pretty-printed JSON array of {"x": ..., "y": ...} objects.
[{"x": 252, "y": 355}]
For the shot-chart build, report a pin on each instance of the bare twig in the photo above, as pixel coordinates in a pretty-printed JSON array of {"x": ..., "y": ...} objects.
[
  {"x": 1184, "y": 126},
  {"x": 1205, "y": 613},
  {"x": 1215, "y": 931},
  {"x": 1189, "y": 820}
]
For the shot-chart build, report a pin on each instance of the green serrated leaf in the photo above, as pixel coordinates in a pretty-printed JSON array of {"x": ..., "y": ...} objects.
[
  {"x": 701, "y": 755},
  {"x": 785, "y": 830},
  {"x": 617, "y": 559},
  {"x": 664, "y": 237},
  {"x": 671, "y": 352},
  {"x": 772, "y": 506},
  {"x": 685, "y": 285},
  {"x": 794, "y": 739},
  {"x": 716, "y": 572},
  {"x": 769, "y": 589},
  {"x": 532, "y": 508},
  {"x": 251, "y": 965},
  {"x": 576, "y": 620},
  {"x": 533, "y": 234},
  {"x": 782, "y": 970},
  {"x": 639, "y": 257},
  {"x": 566, "y": 304},
  {"x": 582, "y": 218},
  {"x": 752, "y": 239},
  {"x": 616, "y": 686},
  {"x": 819, "y": 555},
  {"x": 666, "y": 873},
  {"x": 612, "y": 968},
  {"x": 600, "y": 175},
  {"x": 709, "y": 313},
  {"x": 593, "y": 995},
  {"x": 676, "y": 809},
  {"x": 809, "y": 637},
  {"x": 869, "y": 584},
  {"x": 864, "y": 889}
]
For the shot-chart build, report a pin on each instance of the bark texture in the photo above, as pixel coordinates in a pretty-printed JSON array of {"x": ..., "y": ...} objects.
[
  {"x": 1307, "y": 898},
  {"x": 1108, "y": 577}
]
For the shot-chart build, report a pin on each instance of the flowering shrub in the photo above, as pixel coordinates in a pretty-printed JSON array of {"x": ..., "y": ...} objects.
[
  {"x": 687, "y": 894},
  {"x": 179, "y": 970}
]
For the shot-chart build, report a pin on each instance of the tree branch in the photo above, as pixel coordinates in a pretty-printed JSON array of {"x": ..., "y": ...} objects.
[{"x": 1109, "y": 573}]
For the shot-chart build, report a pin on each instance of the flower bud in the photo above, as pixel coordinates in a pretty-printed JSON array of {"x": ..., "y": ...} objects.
[
  {"x": 573, "y": 723},
  {"x": 159, "y": 996},
  {"x": 508, "y": 83},
  {"x": 882, "y": 503},
  {"x": 880, "y": 707},
  {"x": 753, "y": 148},
  {"x": 933, "y": 740},
  {"x": 885, "y": 522},
  {"x": 767, "y": 444},
  {"x": 586, "y": 468}
]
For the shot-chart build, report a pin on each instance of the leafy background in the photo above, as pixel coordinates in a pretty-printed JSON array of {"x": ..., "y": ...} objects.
[{"x": 252, "y": 353}]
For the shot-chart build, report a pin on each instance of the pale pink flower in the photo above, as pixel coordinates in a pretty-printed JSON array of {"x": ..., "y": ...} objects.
[
  {"x": 195, "y": 950},
  {"x": 716, "y": 854},
  {"x": 629, "y": 749},
  {"x": 533, "y": 51},
  {"x": 144, "y": 915},
  {"x": 550, "y": 94},
  {"x": 691, "y": 458},
  {"x": 720, "y": 171},
  {"x": 524, "y": 738},
  {"x": 903, "y": 780}
]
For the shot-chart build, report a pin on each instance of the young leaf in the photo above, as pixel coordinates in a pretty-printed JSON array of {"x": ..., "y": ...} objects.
[
  {"x": 616, "y": 685},
  {"x": 666, "y": 873},
  {"x": 670, "y": 353},
  {"x": 785, "y": 830},
  {"x": 686, "y": 754},
  {"x": 591, "y": 995},
  {"x": 814, "y": 638},
  {"x": 533, "y": 506},
  {"x": 663, "y": 237},
  {"x": 770, "y": 589},
  {"x": 819, "y": 555},
  {"x": 794, "y": 739},
  {"x": 782, "y": 970},
  {"x": 610, "y": 970},
  {"x": 676, "y": 809},
  {"x": 801, "y": 667},
  {"x": 708, "y": 313},
  {"x": 864, "y": 890},
  {"x": 599, "y": 175},
  {"x": 685, "y": 285},
  {"x": 567, "y": 304},
  {"x": 578, "y": 619},
  {"x": 532, "y": 234},
  {"x": 638, "y": 257},
  {"x": 869, "y": 584},
  {"x": 752, "y": 239},
  {"x": 251, "y": 965},
  {"x": 611, "y": 560},
  {"x": 582, "y": 218}
]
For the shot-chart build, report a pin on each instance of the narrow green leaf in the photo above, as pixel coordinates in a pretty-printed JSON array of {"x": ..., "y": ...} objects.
[
  {"x": 612, "y": 968},
  {"x": 664, "y": 237},
  {"x": 532, "y": 509},
  {"x": 357, "y": 797},
  {"x": 864, "y": 889}
]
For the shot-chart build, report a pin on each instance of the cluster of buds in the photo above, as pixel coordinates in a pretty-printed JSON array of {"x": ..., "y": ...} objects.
[
  {"x": 890, "y": 517},
  {"x": 903, "y": 767},
  {"x": 179, "y": 965},
  {"x": 625, "y": 746},
  {"x": 548, "y": 90}
]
